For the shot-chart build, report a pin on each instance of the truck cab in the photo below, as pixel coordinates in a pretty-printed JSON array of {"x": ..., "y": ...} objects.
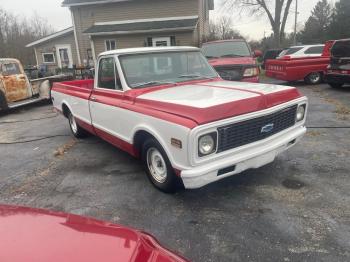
[
  {"x": 17, "y": 90},
  {"x": 233, "y": 60},
  {"x": 338, "y": 72}
]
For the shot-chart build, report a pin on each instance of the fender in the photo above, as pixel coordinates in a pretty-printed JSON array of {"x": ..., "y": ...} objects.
[{"x": 45, "y": 90}]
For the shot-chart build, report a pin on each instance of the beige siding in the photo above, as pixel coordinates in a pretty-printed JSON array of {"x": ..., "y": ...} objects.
[
  {"x": 86, "y": 16},
  {"x": 203, "y": 23},
  {"x": 48, "y": 47},
  {"x": 129, "y": 41}
]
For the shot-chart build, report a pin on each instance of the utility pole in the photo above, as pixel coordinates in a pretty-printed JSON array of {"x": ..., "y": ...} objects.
[{"x": 296, "y": 22}]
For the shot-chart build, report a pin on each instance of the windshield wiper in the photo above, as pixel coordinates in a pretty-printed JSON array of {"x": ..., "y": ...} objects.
[
  {"x": 196, "y": 76},
  {"x": 152, "y": 83},
  {"x": 232, "y": 55}
]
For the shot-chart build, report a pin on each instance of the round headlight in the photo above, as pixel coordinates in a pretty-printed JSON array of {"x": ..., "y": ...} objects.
[
  {"x": 301, "y": 113},
  {"x": 206, "y": 145}
]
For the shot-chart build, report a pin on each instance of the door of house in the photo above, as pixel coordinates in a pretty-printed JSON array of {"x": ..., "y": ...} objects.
[
  {"x": 161, "y": 64},
  {"x": 161, "y": 41},
  {"x": 64, "y": 56}
]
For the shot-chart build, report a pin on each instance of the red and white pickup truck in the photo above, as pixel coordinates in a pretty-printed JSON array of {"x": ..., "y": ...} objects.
[{"x": 169, "y": 107}]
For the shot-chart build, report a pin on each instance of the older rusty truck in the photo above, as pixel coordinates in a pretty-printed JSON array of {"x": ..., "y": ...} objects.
[
  {"x": 169, "y": 107},
  {"x": 17, "y": 90}
]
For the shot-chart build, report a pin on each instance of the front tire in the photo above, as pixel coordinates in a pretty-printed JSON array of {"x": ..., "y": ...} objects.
[
  {"x": 3, "y": 103},
  {"x": 314, "y": 78},
  {"x": 77, "y": 131},
  {"x": 158, "y": 167},
  {"x": 336, "y": 85}
]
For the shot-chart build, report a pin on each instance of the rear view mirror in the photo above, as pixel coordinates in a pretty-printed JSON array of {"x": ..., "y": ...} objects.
[{"x": 258, "y": 53}]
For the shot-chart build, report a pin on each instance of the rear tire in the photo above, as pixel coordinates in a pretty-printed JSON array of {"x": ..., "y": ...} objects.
[
  {"x": 158, "y": 167},
  {"x": 336, "y": 85},
  {"x": 77, "y": 131},
  {"x": 314, "y": 78}
]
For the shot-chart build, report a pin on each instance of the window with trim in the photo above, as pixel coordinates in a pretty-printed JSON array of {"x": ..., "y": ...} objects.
[
  {"x": 48, "y": 58},
  {"x": 110, "y": 45},
  {"x": 314, "y": 50},
  {"x": 108, "y": 76},
  {"x": 11, "y": 69}
]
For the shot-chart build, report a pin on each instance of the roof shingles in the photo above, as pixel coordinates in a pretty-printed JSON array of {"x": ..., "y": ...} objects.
[{"x": 143, "y": 26}]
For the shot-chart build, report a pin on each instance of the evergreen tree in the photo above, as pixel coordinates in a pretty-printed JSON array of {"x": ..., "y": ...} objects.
[{"x": 340, "y": 24}]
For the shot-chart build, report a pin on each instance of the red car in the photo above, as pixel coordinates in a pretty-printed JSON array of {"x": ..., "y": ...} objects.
[
  {"x": 28, "y": 234},
  {"x": 233, "y": 60},
  {"x": 338, "y": 72}
]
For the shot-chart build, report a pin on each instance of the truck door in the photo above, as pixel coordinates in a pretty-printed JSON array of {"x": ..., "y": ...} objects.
[
  {"x": 15, "y": 82},
  {"x": 105, "y": 102}
]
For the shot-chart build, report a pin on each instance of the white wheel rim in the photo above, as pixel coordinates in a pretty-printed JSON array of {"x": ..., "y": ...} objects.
[
  {"x": 314, "y": 77},
  {"x": 73, "y": 124},
  {"x": 156, "y": 165}
]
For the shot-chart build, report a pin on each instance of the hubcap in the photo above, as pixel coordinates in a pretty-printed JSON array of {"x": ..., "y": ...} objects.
[
  {"x": 156, "y": 165},
  {"x": 73, "y": 123},
  {"x": 314, "y": 77}
]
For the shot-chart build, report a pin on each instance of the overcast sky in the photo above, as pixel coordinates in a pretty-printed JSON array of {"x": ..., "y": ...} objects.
[{"x": 59, "y": 17}]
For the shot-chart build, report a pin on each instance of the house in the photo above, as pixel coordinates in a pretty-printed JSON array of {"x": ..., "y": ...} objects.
[{"x": 101, "y": 25}]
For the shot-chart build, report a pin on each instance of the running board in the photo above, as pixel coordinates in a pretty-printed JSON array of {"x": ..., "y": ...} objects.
[{"x": 25, "y": 102}]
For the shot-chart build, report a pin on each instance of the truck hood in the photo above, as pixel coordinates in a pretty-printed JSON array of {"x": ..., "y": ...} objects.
[
  {"x": 232, "y": 61},
  {"x": 212, "y": 101},
  {"x": 37, "y": 235}
]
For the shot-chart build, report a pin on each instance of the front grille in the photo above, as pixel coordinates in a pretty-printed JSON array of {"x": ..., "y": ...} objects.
[
  {"x": 230, "y": 73},
  {"x": 243, "y": 133}
]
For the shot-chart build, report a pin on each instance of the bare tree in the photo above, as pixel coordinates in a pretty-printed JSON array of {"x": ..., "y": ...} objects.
[
  {"x": 277, "y": 12},
  {"x": 16, "y": 32},
  {"x": 222, "y": 29}
]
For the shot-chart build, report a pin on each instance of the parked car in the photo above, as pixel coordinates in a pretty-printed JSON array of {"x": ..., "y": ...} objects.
[
  {"x": 309, "y": 69},
  {"x": 270, "y": 54},
  {"x": 29, "y": 234},
  {"x": 233, "y": 60},
  {"x": 338, "y": 72},
  {"x": 15, "y": 88},
  {"x": 169, "y": 107},
  {"x": 302, "y": 51}
]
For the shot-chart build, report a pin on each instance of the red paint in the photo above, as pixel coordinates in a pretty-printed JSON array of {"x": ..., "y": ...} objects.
[
  {"x": 86, "y": 126},
  {"x": 117, "y": 142},
  {"x": 186, "y": 116},
  {"x": 37, "y": 235},
  {"x": 294, "y": 69},
  {"x": 78, "y": 88}
]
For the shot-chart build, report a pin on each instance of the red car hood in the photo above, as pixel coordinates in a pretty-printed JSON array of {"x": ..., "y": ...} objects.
[
  {"x": 36, "y": 235},
  {"x": 232, "y": 61},
  {"x": 206, "y": 102}
]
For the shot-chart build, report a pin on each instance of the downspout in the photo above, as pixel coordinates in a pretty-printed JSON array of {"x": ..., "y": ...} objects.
[
  {"x": 36, "y": 57},
  {"x": 93, "y": 49},
  {"x": 75, "y": 37}
]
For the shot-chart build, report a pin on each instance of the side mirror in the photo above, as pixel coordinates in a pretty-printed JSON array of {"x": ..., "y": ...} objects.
[{"x": 258, "y": 53}]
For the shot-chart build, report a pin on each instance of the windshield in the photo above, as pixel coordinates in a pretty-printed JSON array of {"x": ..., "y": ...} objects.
[
  {"x": 341, "y": 49},
  {"x": 226, "y": 49},
  {"x": 142, "y": 70}
]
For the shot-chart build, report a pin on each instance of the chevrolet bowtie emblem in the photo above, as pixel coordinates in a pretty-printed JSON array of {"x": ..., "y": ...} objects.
[{"x": 268, "y": 128}]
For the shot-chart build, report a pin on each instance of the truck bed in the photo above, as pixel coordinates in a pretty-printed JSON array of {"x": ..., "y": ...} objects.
[
  {"x": 296, "y": 69},
  {"x": 79, "y": 88}
]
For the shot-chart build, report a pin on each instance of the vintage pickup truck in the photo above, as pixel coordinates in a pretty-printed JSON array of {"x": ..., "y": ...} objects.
[
  {"x": 169, "y": 107},
  {"x": 17, "y": 90},
  {"x": 309, "y": 68}
]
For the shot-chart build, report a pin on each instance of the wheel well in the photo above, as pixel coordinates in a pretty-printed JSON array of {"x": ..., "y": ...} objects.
[
  {"x": 139, "y": 138},
  {"x": 65, "y": 110}
]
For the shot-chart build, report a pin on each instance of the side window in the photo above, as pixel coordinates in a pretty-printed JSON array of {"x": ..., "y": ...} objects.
[
  {"x": 314, "y": 50},
  {"x": 110, "y": 45},
  {"x": 293, "y": 50},
  {"x": 11, "y": 69},
  {"x": 108, "y": 76}
]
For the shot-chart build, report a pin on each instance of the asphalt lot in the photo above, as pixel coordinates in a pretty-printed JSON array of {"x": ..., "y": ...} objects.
[{"x": 296, "y": 209}]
